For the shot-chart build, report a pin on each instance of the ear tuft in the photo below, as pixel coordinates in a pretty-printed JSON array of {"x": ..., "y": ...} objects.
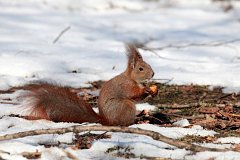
[
  {"x": 133, "y": 55},
  {"x": 132, "y": 51}
]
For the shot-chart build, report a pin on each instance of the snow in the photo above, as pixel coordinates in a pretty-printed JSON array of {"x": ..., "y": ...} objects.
[
  {"x": 176, "y": 132},
  {"x": 235, "y": 140},
  {"x": 145, "y": 106},
  {"x": 98, "y": 30},
  {"x": 182, "y": 123},
  {"x": 93, "y": 47},
  {"x": 216, "y": 156},
  {"x": 138, "y": 144}
]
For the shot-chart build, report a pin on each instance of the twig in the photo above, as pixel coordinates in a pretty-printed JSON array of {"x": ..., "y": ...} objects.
[
  {"x": 13, "y": 103},
  {"x": 181, "y": 106},
  {"x": 185, "y": 117},
  {"x": 210, "y": 44},
  {"x": 149, "y": 118},
  {"x": 162, "y": 79},
  {"x": 76, "y": 129},
  {"x": 178, "y": 106},
  {"x": 226, "y": 95},
  {"x": 230, "y": 114},
  {"x": 234, "y": 115},
  {"x": 70, "y": 155},
  {"x": 101, "y": 135},
  {"x": 60, "y": 34}
]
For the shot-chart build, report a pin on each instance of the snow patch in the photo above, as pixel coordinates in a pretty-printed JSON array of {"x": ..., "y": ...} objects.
[{"x": 144, "y": 106}]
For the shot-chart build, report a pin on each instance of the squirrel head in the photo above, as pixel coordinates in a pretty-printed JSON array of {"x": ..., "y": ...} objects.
[{"x": 137, "y": 69}]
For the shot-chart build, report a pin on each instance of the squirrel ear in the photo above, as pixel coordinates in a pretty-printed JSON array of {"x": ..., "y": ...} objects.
[{"x": 133, "y": 55}]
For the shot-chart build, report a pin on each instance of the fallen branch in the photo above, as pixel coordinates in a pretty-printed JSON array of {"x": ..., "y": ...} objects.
[
  {"x": 60, "y": 34},
  {"x": 77, "y": 129}
]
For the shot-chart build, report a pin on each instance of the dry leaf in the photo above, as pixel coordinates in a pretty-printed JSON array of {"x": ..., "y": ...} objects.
[{"x": 208, "y": 110}]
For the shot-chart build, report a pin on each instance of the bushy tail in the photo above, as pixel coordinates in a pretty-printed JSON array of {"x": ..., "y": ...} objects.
[{"x": 57, "y": 103}]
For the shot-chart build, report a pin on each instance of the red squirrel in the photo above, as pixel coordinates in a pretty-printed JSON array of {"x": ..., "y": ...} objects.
[{"x": 116, "y": 101}]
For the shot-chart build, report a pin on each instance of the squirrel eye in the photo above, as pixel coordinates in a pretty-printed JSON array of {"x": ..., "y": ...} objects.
[{"x": 140, "y": 69}]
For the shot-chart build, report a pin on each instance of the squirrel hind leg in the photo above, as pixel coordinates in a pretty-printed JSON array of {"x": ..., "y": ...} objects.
[{"x": 120, "y": 112}]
